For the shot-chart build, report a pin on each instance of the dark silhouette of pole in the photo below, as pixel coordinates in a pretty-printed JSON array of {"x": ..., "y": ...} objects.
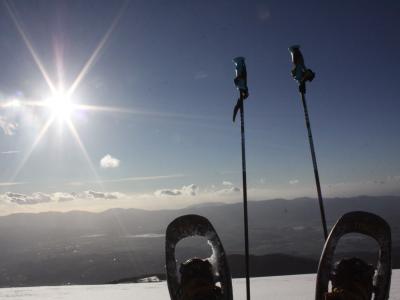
[
  {"x": 246, "y": 222},
  {"x": 314, "y": 160},
  {"x": 302, "y": 74},
  {"x": 241, "y": 84}
]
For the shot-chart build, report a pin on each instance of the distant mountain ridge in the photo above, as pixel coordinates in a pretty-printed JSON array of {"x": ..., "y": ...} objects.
[{"x": 83, "y": 247}]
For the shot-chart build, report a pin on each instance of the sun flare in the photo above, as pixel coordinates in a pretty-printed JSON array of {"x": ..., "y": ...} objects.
[{"x": 60, "y": 106}]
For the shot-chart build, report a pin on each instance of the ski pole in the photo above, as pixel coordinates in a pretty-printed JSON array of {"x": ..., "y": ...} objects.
[
  {"x": 302, "y": 75},
  {"x": 241, "y": 84}
]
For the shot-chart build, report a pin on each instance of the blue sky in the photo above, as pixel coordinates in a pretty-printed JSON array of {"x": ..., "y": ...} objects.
[{"x": 162, "y": 73}]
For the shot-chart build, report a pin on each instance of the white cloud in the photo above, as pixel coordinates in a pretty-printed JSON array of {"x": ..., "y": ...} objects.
[
  {"x": 8, "y": 127},
  {"x": 186, "y": 190},
  {"x": 190, "y": 190},
  {"x": 22, "y": 199},
  {"x": 228, "y": 183},
  {"x": 294, "y": 181},
  {"x": 167, "y": 192},
  {"x": 109, "y": 162},
  {"x": 102, "y": 195},
  {"x": 63, "y": 197},
  {"x": 228, "y": 191}
]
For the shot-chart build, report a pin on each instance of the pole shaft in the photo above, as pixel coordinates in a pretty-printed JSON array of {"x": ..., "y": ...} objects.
[
  {"x": 314, "y": 160},
  {"x": 246, "y": 227}
]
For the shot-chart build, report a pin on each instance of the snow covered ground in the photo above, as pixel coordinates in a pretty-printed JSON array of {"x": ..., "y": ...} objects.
[{"x": 296, "y": 287}]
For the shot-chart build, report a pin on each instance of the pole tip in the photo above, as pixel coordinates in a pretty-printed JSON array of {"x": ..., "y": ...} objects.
[
  {"x": 294, "y": 48},
  {"x": 238, "y": 59}
]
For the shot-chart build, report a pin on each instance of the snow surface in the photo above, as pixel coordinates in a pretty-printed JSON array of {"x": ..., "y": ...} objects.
[{"x": 296, "y": 287}]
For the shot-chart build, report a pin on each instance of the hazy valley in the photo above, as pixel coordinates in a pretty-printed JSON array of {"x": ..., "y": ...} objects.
[{"x": 90, "y": 248}]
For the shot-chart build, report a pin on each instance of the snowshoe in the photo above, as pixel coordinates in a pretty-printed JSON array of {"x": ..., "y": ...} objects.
[
  {"x": 367, "y": 224},
  {"x": 195, "y": 225}
]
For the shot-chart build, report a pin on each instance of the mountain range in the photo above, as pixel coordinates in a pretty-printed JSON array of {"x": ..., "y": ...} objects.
[{"x": 81, "y": 247}]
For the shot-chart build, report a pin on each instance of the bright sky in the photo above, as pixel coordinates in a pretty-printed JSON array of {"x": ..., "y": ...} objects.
[{"x": 129, "y": 103}]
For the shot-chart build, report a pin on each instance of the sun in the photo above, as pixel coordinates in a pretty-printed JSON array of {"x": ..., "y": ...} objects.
[{"x": 60, "y": 105}]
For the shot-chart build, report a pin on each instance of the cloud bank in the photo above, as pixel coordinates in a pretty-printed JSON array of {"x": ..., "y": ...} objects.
[
  {"x": 187, "y": 195},
  {"x": 57, "y": 197}
]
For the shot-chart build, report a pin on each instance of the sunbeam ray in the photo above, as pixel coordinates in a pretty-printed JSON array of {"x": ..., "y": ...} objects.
[
  {"x": 29, "y": 46},
  {"x": 115, "y": 109},
  {"x": 21, "y": 103},
  {"x": 96, "y": 52},
  {"x": 84, "y": 151},
  {"x": 35, "y": 143}
]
